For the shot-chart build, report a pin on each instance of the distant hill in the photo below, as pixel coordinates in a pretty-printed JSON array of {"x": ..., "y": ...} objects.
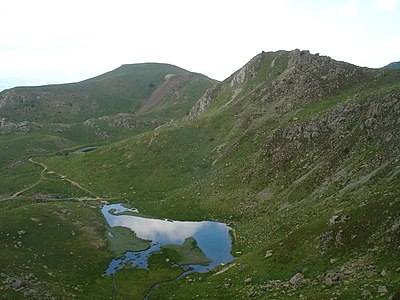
[
  {"x": 164, "y": 89},
  {"x": 11, "y": 82},
  {"x": 126, "y": 101},
  {"x": 393, "y": 65}
]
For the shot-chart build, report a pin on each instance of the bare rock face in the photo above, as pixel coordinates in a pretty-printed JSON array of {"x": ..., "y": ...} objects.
[
  {"x": 249, "y": 70},
  {"x": 336, "y": 121},
  {"x": 7, "y": 97},
  {"x": 294, "y": 78},
  {"x": 308, "y": 78},
  {"x": 203, "y": 103},
  {"x": 27, "y": 285},
  {"x": 7, "y": 126}
]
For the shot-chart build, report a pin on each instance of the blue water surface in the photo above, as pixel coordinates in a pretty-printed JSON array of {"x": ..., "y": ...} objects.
[{"x": 212, "y": 238}]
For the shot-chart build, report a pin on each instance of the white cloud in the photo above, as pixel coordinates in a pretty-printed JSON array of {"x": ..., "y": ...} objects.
[
  {"x": 386, "y": 5},
  {"x": 350, "y": 8}
]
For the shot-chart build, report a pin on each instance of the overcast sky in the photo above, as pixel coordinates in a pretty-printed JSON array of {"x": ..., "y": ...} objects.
[{"x": 71, "y": 40}]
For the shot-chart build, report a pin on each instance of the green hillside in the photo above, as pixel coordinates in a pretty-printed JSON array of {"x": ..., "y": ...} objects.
[
  {"x": 124, "y": 102},
  {"x": 298, "y": 153},
  {"x": 124, "y": 90}
]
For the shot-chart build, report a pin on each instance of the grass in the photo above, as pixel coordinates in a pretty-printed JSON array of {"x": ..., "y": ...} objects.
[
  {"x": 17, "y": 177},
  {"x": 189, "y": 253},
  {"x": 63, "y": 244},
  {"x": 122, "y": 240},
  {"x": 58, "y": 238},
  {"x": 121, "y": 90}
]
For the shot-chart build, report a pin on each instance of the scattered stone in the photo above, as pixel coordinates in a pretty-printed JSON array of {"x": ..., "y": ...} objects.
[
  {"x": 22, "y": 232},
  {"x": 297, "y": 279},
  {"x": 28, "y": 286},
  {"x": 268, "y": 253},
  {"x": 333, "y": 220},
  {"x": 332, "y": 277},
  {"x": 251, "y": 294},
  {"x": 382, "y": 289},
  {"x": 17, "y": 284},
  {"x": 366, "y": 294},
  {"x": 248, "y": 280},
  {"x": 383, "y": 273},
  {"x": 339, "y": 237}
]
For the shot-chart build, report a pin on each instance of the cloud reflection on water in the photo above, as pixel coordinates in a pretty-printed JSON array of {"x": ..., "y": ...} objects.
[
  {"x": 158, "y": 230},
  {"x": 212, "y": 238}
]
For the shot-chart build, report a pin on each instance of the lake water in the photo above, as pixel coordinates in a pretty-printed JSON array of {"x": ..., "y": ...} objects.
[
  {"x": 84, "y": 150},
  {"x": 212, "y": 238}
]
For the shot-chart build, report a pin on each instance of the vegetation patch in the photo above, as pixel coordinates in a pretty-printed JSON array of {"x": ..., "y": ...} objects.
[
  {"x": 189, "y": 253},
  {"x": 122, "y": 240}
]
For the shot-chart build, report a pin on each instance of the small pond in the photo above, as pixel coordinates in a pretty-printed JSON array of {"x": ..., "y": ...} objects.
[
  {"x": 212, "y": 238},
  {"x": 84, "y": 150}
]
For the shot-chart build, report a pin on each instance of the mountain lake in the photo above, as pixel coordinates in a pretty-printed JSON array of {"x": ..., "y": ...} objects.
[{"x": 212, "y": 238}]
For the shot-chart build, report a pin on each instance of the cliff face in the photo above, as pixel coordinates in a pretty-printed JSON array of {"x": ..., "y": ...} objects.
[{"x": 295, "y": 77}]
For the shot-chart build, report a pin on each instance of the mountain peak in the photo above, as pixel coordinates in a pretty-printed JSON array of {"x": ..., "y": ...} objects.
[
  {"x": 296, "y": 77},
  {"x": 393, "y": 65}
]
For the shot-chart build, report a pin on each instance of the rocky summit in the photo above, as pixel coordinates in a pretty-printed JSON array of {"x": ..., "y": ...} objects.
[{"x": 297, "y": 152}]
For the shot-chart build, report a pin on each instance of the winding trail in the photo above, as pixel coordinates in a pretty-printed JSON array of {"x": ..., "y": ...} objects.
[
  {"x": 42, "y": 177},
  {"x": 47, "y": 170}
]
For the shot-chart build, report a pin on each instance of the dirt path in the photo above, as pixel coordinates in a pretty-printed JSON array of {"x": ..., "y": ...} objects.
[
  {"x": 63, "y": 177},
  {"x": 46, "y": 169},
  {"x": 42, "y": 177}
]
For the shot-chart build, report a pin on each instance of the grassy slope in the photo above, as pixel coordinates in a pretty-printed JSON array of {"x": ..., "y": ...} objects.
[
  {"x": 123, "y": 239},
  {"x": 188, "y": 253},
  {"x": 98, "y": 110},
  {"x": 63, "y": 245},
  {"x": 121, "y": 90},
  {"x": 59, "y": 237},
  {"x": 251, "y": 164}
]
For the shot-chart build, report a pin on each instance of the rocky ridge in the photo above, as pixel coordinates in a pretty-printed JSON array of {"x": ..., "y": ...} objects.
[
  {"x": 7, "y": 126},
  {"x": 294, "y": 78}
]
